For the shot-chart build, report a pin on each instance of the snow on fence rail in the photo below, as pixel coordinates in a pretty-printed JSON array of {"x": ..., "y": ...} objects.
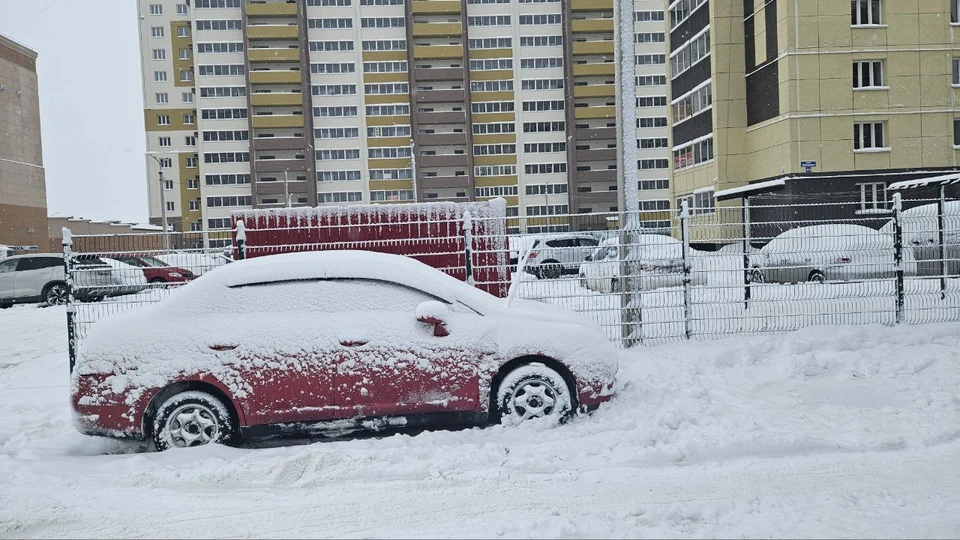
[{"x": 675, "y": 275}]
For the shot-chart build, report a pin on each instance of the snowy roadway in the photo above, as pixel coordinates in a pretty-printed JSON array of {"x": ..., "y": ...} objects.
[{"x": 826, "y": 432}]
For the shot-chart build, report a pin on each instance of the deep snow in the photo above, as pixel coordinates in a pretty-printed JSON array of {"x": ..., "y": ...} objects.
[{"x": 826, "y": 432}]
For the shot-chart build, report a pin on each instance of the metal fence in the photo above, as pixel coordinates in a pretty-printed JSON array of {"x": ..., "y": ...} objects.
[{"x": 646, "y": 278}]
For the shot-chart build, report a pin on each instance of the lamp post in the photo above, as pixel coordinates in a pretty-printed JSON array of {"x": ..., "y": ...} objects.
[{"x": 163, "y": 203}]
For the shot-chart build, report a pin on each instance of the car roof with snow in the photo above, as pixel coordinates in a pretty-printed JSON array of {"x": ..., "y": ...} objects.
[{"x": 346, "y": 264}]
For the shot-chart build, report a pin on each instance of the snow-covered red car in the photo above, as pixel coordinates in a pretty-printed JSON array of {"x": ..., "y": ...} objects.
[{"x": 309, "y": 342}]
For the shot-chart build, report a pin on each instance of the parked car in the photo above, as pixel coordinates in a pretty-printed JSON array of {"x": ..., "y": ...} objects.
[
  {"x": 921, "y": 235},
  {"x": 833, "y": 252},
  {"x": 41, "y": 277},
  {"x": 657, "y": 258},
  {"x": 306, "y": 342},
  {"x": 127, "y": 279},
  {"x": 554, "y": 255},
  {"x": 155, "y": 270},
  {"x": 198, "y": 263}
]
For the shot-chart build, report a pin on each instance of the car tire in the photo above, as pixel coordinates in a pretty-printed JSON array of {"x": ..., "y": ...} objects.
[
  {"x": 550, "y": 270},
  {"x": 816, "y": 277},
  {"x": 615, "y": 286},
  {"x": 54, "y": 294},
  {"x": 192, "y": 418},
  {"x": 533, "y": 391},
  {"x": 756, "y": 276}
]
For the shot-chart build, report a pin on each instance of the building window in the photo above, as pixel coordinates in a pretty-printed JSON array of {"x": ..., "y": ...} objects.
[
  {"x": 156, "y": 31},
  {"x": 161, "y": 97},
  {"x": 955, "y": 11},
  {"x": 184, "y": 54},
  {"x": 156, "y": 9},
  {"x": 956, "y": 71},
  {"x": 160, "y": 76},
  {"x": 186, "y": 75},
  {"x": 163, "y": 119},
  {"x": 868, "y": 74},
  {"x": 183, "y": 31},
  {"x": 956, "y": 133},
  {"x": 865, "y": 12},
  {"x": 164, "y": 142},
  {"x": 159, "y": 54},
  {"x": 193, "y": 183},
  {"x": 868, "y": 135},
  {"x": 166, "y": 163},
  {"x": 170, "y": 207},
  {"x": 703, "y": 202},
  {"x": 873, "y": 197},
  {"x": 678, "y": 202},
  {"x": 693, "y": 154},
  {"x": 340, "y": 197},
  {"x": 189, "y": 119},
  {"x": 190, "y": 140},
  {"x": 181, "y": 9},
  {"x": 186, "y": 97},
  {"x": 191, "y": 162}
]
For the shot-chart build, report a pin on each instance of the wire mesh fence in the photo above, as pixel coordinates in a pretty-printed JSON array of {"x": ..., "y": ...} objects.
[{"x": 646, "y": 278}]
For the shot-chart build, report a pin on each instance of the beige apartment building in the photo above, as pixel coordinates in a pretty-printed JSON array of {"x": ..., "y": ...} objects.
[
  {"x": 264, "y": 103},
  {"x": 839, "y": 98},
  {"x": 23, "y": 192}
]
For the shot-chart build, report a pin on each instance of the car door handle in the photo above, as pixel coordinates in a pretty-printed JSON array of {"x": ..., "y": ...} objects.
[
  {"x": 353, "y": 343},
  {"x": 223, "y": 347}
]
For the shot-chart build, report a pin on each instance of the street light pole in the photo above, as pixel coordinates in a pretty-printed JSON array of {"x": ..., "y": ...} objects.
[{"x": 163, "y": 205}]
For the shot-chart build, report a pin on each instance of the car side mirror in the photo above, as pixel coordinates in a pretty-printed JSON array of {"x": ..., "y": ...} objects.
[{"x": 435, "y": 313}]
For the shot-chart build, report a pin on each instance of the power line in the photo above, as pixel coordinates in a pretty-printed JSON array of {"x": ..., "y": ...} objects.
[{"x": 41, "y": 12}]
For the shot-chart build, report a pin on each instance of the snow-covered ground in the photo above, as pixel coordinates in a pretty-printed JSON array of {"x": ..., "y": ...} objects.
[{"x": 831, "y": 431}]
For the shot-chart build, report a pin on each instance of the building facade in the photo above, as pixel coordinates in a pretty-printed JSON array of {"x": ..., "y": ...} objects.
[
  {"x": 23, "y": 192},
  {"x": 312, "y": 102},
  {"x": 840, "y": 98}
]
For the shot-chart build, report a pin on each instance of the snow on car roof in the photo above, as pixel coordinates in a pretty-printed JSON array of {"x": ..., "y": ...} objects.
[
  {"x": 829, "y": 236},
  {"x": 349, "y": 264}
]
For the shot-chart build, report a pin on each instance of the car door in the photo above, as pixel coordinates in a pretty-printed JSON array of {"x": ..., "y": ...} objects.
[
  {"x": 395, "y": 365},
  {"x": 7, "y": 274},
  {"x": 32, "y": 274}
]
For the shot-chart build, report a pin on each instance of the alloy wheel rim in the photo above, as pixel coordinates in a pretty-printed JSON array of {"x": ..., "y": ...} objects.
[
  {"x": 57, "y": 295},
  {"x": 533, "y": 399},
  {"x": 192, "y": 425}
]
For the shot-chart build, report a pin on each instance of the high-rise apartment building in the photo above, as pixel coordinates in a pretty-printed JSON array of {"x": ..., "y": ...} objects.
[
  {"x": 261, "y": 103},
  {"x": 839, "y": 98},
  {"x": 23, "y": 191}
]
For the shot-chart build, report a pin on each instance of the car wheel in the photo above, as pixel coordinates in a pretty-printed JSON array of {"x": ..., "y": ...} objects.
[
  {"x": 756, "y": 276},
  {"x": 54, "y": 294},
  {"x": 615, "y": 286},
  {"x": 550, "y": 270},
  {"x": 817, "y": 277},
  {"x": 583, "y": 281},
  {"x": 533, "y": 391},
  {"x": 191, "y": 419}
]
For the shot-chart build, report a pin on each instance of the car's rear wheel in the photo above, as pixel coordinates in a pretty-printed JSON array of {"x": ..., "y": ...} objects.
[
  {"x": 816, "y": 277},
  {"x": 534, "y": 391},
  {"x": 54, "y": 294},
  {"x": 191, "y": 418},
  {"x": 550, "y": 270}
]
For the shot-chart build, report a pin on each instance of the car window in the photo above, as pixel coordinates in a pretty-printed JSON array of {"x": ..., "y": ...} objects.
[
  {"x": 38, "y": 263},
  {"x": 8, "y": 266},
  {"x": 589, "y": 242},
  {"x": 561, "y": 243},
  {"x": 325, "y": 295}
]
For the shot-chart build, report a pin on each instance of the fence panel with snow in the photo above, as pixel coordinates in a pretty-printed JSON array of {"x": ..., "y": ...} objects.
[{"x": 645, "y": 278}]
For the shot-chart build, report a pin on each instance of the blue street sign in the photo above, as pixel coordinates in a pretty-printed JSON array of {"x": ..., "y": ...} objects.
[{"x": 808, "y": 165}]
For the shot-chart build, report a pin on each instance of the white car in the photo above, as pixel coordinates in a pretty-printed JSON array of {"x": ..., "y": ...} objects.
[
  {"x": 41, "y": 278},
  {"x": 832, "y": 252},
  {"x": 921, "y": 235},
  {"x": 553, "y": 255},
  {"x": 658, "y": 260}
]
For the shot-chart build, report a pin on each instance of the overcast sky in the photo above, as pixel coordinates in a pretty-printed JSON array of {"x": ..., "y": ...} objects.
[{"x": 91, "y": 103}]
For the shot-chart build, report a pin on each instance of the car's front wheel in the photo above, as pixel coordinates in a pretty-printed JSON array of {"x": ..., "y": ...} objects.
[
  {"x": 55, "y": 294},
  {"x": 534, "y": 391},
  {"x": 817, "y": 277},
  {"x": 191, "y": 418}
]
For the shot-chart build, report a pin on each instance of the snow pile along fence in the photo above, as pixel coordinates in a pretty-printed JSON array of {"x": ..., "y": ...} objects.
[{"x": 436, "y": 234}]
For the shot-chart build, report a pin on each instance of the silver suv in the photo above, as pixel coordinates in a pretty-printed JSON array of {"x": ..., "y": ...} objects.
[
  {"x": 557, "y": 254},
  {"x": 41, "y": 278}
]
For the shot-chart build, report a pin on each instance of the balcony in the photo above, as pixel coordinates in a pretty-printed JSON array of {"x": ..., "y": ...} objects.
[
  {"x": 427, "y": 52},
  {"x": 595, "y": 90},
  {"x": 441, "y": 139},
  {"x": 274, "y": 55},
  {"x": 599, "y": 154},
  {"x": 591, "y": 26},
  {"x": 273, "y": 31},
  {"x": 435, "y": 7},
  {"x": 440, "y": 29},
  {"x": 593, "y": 47},
  {"x": 454, "y": 117},
  {"x": 447, "y": 160},
  {"x": 276, "y": 99},
  {"x": 591, "y": 5},
  {"x": 439, "y": 74},
  {"x": 440, "y": 96},
  {"x": 278, "y": 143},
  {"x": 587, "y": 70},
  {"x": 582, "y": 113},
  {"x": 275, "y": 77},
  {"x": 280, "y": 165},
  {"x": 274, "y": 9},
  {"x": 443, "y": 182},
  {"x": 277, "y": 121},
  {"x": 605, "y": 175},
  {"x": 277, "y": 188},
  {"x": 594, "y": 134}
]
